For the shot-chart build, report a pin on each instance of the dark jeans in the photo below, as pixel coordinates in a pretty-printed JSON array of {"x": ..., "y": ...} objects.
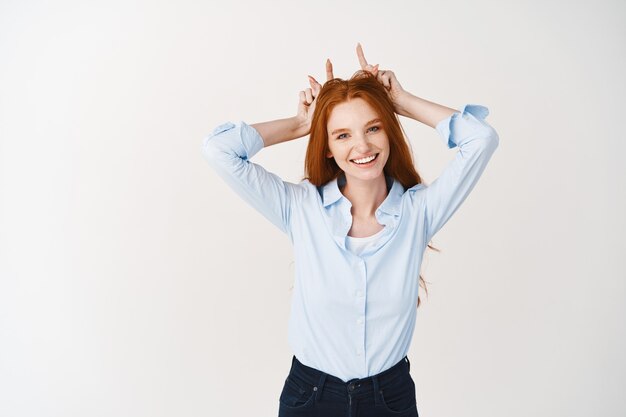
[{"x": 311, "y": 392}]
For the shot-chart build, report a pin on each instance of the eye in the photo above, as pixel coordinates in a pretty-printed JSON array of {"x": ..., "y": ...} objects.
[{"x": 369, "y": 129}]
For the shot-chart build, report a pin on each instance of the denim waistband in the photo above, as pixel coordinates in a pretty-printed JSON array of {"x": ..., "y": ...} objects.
[{"x": 356, "y": 387}]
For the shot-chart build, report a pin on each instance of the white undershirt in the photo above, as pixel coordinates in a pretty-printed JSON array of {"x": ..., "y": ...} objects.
[{"x": 358, "y": 244}]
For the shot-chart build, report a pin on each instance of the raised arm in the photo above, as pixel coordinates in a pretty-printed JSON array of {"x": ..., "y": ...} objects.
[
  {"x": 230, "y": 146},
  {"x": 281, "y": 130},
  {"x": 477, "y": 141},
  {"x": 466, "y": 129},
  {"x": 228, "y": 150}
]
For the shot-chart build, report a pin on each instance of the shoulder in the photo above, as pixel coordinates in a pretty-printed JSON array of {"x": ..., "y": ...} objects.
[
  {"x": 416, "y": 187},
  {"x": 302, "y": 190},
  {"x": 415, "y": 193}
]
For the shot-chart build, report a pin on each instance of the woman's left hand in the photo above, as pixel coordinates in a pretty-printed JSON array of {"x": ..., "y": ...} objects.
[{"x": 387, "y": 78}]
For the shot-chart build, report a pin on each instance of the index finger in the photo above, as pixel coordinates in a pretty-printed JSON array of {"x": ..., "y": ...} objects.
[
  {"x": 359, "y": 53},
  {"x": 329, "y": 70}
]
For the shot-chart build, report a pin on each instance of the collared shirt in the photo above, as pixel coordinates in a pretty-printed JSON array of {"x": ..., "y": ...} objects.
[{"x": 353, "y": 316}]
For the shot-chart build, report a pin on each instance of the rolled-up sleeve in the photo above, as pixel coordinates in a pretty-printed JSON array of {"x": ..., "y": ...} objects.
[
  {"x": 476, "y": 141},
  {"x": 228, "y": 149}
]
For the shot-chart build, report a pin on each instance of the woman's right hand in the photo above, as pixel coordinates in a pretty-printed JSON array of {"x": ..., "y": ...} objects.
[{"x": 306, "y": 104}]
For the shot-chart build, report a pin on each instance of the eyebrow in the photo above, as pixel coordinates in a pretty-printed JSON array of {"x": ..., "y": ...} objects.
[{"x": 371, "y": 122}]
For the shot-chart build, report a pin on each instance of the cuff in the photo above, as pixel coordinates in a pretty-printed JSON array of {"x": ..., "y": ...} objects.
[
  {"x": 242, "y": 138},
  {"x": 459, "y": 124}
]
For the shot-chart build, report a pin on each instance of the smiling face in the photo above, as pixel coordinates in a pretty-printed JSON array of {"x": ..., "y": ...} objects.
[{"x": 356, "y": 133}]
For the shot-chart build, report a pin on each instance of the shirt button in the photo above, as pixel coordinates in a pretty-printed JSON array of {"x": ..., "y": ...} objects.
[
  {"x": 359, "y": 294},
  {"x": 360, "y": 320},
  {"x": 358, "y": 351}
]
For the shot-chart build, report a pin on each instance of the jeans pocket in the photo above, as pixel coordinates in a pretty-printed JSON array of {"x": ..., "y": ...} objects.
[
  {"x": 296, "y": 393},
  {"x": 399, "y": 396}
]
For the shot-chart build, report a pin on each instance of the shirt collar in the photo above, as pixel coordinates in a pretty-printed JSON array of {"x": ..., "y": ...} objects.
[{"x": 391, "y": 205}]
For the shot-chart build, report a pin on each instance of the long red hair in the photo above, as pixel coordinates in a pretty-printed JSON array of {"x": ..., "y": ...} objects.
[{"x": 319, "y": 169}]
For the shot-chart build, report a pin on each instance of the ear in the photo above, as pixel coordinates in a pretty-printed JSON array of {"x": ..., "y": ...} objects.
[{"x": 329, "y": 155}]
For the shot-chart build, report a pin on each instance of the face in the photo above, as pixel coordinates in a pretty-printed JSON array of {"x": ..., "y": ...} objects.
[{"x": 356, "y": 133}]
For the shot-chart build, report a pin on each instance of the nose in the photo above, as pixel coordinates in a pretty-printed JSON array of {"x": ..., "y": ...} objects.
[{"x": 361, "y": 142}]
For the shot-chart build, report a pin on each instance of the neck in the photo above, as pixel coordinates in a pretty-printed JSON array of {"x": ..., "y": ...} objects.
[{"x": 365, "y": 195}]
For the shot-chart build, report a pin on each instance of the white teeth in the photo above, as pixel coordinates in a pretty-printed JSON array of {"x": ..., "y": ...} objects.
[{"x": 364, "y": 160}]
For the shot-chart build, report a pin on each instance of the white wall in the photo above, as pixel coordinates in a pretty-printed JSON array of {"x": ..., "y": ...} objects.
[{"x": 133, "y": 282}]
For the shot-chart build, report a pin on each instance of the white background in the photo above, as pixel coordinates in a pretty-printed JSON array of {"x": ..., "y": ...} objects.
[{"x": 133, "y": 282}]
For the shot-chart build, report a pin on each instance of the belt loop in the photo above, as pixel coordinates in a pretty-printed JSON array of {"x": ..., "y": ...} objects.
[
  {"x": 408, "y": 362},
  {"x": 320, "y": 386},
  {"x": 376, "y": 390}
]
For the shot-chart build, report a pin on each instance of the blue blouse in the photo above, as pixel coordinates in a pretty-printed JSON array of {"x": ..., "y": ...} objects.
[{"x": 353, "y": 316}]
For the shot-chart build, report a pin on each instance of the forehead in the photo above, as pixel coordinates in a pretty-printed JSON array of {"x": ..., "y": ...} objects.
[{"x": 353, "y": 113}]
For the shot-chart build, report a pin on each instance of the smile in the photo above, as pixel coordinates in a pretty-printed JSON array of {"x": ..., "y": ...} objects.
[{"x": 365, "y": 161}]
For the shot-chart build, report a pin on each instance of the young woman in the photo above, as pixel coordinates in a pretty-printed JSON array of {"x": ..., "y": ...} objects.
[{"x": 359, "y": 223}]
